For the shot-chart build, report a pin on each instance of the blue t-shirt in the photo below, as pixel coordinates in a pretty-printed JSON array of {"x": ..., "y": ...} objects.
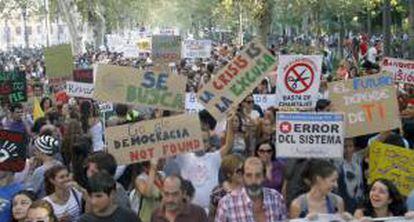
[{"x": 6, "y": 195}]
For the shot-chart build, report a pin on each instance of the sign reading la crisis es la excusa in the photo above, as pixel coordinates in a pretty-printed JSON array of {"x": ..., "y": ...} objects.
[{"x": 309, "y": 135}]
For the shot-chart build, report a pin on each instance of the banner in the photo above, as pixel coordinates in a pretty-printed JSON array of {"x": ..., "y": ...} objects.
[
  {"x": 369, "y": 103},
  {"x": 83, "y": 75},
  {"x": 236, "y": 80},
  {"x": 79, "y": 89},
  {"x": 309, "y": 135},
  {"x": 402, "y": 70},
  {"x": 298, "y": 79},
  {"x": 12, "y": 151},
  {"x": 191, "y": 103},
  {"x": 132, "y": 86},
  {"x": 13, "y": 86},
  {"x": 196, "y": 49},
  {"x": 265, "y": 101},
  {"x": 59, "y": 63},
  {"x": 166, "y": 48},
  {"x": 393, "y": 163},
  {"x": 156, "y": 138}
]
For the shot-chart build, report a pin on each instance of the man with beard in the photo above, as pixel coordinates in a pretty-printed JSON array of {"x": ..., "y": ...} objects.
[
  {"x": 173, "y": 207},
  {"x": 253, "y": 202}
]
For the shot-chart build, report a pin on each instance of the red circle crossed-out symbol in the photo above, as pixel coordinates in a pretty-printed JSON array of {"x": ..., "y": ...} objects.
[
  {"x": 299, "y": 77},
  {"x": 285, "y": 127}
]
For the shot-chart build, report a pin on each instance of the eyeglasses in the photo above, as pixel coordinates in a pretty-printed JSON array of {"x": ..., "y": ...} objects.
[{"x": 265, "y": 151}]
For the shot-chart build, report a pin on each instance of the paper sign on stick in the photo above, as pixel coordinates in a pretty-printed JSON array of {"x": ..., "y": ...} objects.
[
  {"x": 13, "y": 86},
  {"x": 196, "y": 49},
  {"x": 191, "y": 103},
  {"x": 132, "y": 86},
  {"x": 166, "y": 49},
  {"x": 298, "y": 79},
  {"x": 157, "y": 138},
  {"x": 12, "y": 151},
  {"x": 265, "y": 101},
  {"x": 369, "y": 103},
  {"x": 393, "y": 163},
  {"x": 83, "y": 75},
  {"x": 236, "y": 80},
  {"x": 59, "y": 63},
  {"x": 309, "y": 135},
  {"x": 79, "y": 89},
  {"x": 402, "y": 70}
]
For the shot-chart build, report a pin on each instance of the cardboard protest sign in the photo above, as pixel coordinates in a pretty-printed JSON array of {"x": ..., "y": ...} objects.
[
  {"x": 79, "y": 89},
  {"x": 156, "y": 138},
  {"x": 132, "y": 86},
  {"x": 105, "y": 107},
  {"x": 196, "y": 49},
  {"x": 402, "y": 70},
  {"x": 166, "y": 49},
  {"x": 298, "y": 79},
  {"x": 393, "y": 163},
  {"x": 12, "y": 151},
  {"x": 265, "y": 100},
  {"x": 369, "y": 103},
  {"x": 13, "y": 86},
  {"x": 191, "y": 103},
  {"x": 144, "y": 45},
  {"x": 59, "y": 63},
  {"x": 236, "y": 80},
  {"x": 83, "y": 75},
  {"x": 309, "y": 135}
]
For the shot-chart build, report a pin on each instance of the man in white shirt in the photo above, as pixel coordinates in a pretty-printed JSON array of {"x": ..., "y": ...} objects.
[{"x": 202, "y": 167}]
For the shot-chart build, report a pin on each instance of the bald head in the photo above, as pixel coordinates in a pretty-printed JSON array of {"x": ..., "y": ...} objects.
[{"x": 254, "y": 162}]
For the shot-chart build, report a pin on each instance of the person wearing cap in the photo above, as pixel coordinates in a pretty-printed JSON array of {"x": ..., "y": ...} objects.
[{"x": 45, "y": 148}]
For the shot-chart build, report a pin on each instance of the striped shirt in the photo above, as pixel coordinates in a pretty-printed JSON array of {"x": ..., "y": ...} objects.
[
  {"x": 72, "y": 207},
  {"x": 238, "y": 207}
]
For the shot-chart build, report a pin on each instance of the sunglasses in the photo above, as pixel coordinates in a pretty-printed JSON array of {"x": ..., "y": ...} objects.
[
  {"x": 249, "y": 101},
  {"x": 265, "y": 151}
]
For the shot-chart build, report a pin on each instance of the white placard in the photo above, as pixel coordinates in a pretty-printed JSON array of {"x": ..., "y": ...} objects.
[
  {"x": 79, "y": 89},
  {"x": 265, "y": 100},
  {"x": 191, "y": 103},
  {"x": 402, "y": 70},
  {"x": 298, "y": 79},
  {"x": 309, "y": 135},
  {"x": 196, "y": 49}
]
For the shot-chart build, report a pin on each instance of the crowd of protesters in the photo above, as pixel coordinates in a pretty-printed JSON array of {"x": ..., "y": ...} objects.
[{"x": 69, "y": 176}]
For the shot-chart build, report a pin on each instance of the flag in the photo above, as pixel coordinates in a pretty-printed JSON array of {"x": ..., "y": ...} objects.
[{"x": 37, "y": 110}]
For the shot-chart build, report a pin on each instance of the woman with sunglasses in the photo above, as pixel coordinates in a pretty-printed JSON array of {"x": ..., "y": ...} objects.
[
  {"x": 274, "y": 168},
  {"x": 41, "y": 211},
  {"x": 232, "y": 169}
]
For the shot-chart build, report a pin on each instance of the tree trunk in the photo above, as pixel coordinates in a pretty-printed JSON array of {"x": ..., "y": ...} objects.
[
  {"x": 411, "y": 28},
  {"x": 341, "y": 36},
  {"x": 369, "y": 22},
  {"x": 240, "y": 38},
  {"x": 25, "y": 33},
  {"x": 265, "y": 20},
  {"x": 69, "y": 16},
  {"x": 386, "y": 23}
]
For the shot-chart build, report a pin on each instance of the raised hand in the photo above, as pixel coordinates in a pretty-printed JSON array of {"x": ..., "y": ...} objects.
[{"x": 7, "y": 150}]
